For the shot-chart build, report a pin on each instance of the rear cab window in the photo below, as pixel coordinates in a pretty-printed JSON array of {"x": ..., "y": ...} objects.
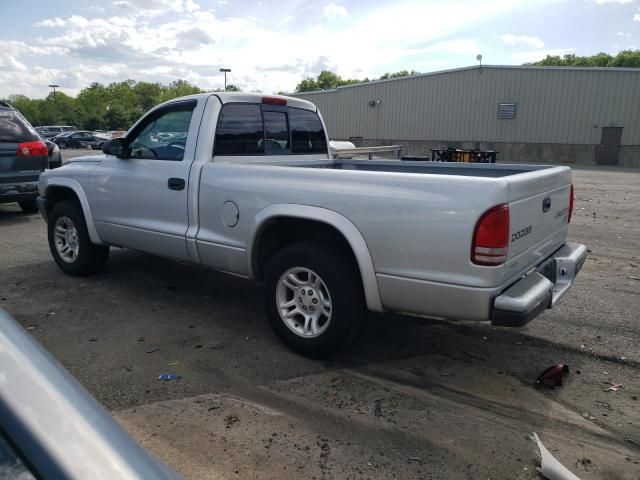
[{"x": 255, "y": 129}]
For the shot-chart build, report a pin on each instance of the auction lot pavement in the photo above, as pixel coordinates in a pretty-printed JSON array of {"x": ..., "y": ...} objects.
[{"x": 415, "y": 398}]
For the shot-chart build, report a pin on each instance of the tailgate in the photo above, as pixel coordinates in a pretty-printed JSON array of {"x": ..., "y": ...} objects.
[{"x": 538, "y": 213}]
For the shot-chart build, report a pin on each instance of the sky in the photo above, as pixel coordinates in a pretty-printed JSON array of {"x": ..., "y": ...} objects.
[{"x": 271, "y": 45}]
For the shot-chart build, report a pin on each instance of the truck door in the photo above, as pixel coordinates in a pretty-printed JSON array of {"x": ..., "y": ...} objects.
[{"x": 140, "y": 200}]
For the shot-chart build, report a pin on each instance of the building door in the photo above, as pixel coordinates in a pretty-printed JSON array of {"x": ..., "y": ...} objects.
[{"x": 609, "y": 146}]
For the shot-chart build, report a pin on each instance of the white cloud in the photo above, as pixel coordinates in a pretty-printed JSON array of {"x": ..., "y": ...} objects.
[
  {"x": 50, "y": 22},
  {"x": 533, "y": 42},
  {"x": 463, "y": 45},
  {"x": 622, "y": 34},
  {"x": 8, "y": 62},
  {"x": 333, "y": 11},
  {"x": 636, "y": 17},
  {"x": 153, "y": 8},
  {"x": 622, "y": 2},
  {"x": 161, "y": 40},
  {"x": 536, "y": 55}
]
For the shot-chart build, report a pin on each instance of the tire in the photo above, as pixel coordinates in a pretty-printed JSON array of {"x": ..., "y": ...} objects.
[
  {"x": 340, "y": 284},
  {"x": 88, "y": 257},
  {"x": 30, "y": 206},
  {"x": 62, "y": 145}
]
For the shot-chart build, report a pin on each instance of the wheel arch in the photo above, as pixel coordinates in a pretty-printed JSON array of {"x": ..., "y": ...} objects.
[
  {"x": 323, "y": 218},
  {"x": 59, "y": 189}
]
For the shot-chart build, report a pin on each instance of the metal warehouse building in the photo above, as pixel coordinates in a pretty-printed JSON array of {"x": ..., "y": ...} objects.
[{"x": 527, "y": 114}]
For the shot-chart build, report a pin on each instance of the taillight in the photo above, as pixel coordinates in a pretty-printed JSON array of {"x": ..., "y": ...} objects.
[
  {"x": 274, "y": 101},
  {"x": 491, "y": 237},
  {"x": 30, "y": 149},
  {"x": 570, "y": 204}
]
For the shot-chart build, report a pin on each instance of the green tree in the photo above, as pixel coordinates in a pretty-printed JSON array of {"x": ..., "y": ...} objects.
[
  {"x": 114, "y": 106},
  {"x": 400, "y": 74},
  {"x": 179, "y": 88},
  {"x": 117, "y": 118},
  {"x": 148, "y": 94},
  {"x": 327, "y": 80},
  {"x": 625, "y": 58}
]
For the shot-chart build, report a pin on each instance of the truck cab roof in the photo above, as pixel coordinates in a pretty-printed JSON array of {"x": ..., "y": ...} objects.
[{"x": 242, "y": 97}]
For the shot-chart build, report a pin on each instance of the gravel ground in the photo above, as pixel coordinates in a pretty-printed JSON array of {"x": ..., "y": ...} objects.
[{"x": 415, "y": 398}]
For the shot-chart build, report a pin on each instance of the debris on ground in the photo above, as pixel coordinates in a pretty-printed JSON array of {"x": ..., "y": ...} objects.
[
  {"x": 172, "y": 364},
  {"x": 377, "y": 408},
  {"x": 231, "y": 420},
  {"x": 153, "y": 350},
  {"x": 169, "y": 376},
  {"x": 93, "y": 339},
  {"x": 140, "y": 340},
  {"x": 550, "y": 468},
  {"x": 552, "y": 376},
  {"x": 613, "y": 387}
]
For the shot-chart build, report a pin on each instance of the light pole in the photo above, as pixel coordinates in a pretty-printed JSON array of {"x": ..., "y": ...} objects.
[
  {"x": 225, "y": 70},
  {"x": 54, "y": 86}
]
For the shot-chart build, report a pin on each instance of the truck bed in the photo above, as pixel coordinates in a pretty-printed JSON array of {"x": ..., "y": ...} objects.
[{"x": 425, "y": 168}]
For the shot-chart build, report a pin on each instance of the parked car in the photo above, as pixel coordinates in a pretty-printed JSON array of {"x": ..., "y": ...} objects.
[
  {"x": 51, "y": 428},
  {"x": 23, "y": 156},
  {"x": 50, "y": 131},
  {"x": 328, "y": 238},
  {"x": 55, "y": 157},
  {"x": 78, "y": 139}
]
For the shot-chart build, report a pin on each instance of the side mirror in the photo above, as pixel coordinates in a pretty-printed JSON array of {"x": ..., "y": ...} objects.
[{"x": 116, "y": 146}]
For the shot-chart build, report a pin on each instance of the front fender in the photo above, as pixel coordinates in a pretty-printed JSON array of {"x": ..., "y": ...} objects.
[
  {"x": 339, "y": 222},
  {"x": 74, "y": 185}
]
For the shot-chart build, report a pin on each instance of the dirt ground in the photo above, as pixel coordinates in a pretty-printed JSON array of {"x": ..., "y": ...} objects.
[{"x": 415, "y": 398}]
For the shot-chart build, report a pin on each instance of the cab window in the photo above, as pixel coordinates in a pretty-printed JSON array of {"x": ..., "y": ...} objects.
[
  {"x": 239, "y": 130},
  {"x": 163, "y": 135}
]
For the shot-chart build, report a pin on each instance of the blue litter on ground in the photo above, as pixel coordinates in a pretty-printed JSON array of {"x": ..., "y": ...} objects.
[{"x": 169, "y": 376}]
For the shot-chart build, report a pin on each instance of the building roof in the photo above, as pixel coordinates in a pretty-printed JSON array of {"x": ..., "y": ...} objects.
[{"x": 478, "y": 67}]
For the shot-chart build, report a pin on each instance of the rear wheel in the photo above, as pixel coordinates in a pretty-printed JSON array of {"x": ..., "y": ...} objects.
[
  {"x": 30, "y": 206},
  {"x": 314, "y": 299},
  {"x": 69, "y": 241},
  {"x": 62, "y": 145}
]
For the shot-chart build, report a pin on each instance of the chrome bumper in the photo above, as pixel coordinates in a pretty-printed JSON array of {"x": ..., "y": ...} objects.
[{"x": 541, "y": 289}]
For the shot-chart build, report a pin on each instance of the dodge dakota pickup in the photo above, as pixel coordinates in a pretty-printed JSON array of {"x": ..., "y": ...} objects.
[{"x": 245, "y": 183}]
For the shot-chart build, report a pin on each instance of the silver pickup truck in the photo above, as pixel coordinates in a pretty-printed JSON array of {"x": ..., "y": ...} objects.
[{"x": 245, "y": 183}]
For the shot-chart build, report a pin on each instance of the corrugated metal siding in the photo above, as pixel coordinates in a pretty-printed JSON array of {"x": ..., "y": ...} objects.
[{"x": 553, "y": 106}]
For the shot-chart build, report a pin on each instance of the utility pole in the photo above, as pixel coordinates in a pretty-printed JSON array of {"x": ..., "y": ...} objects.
[{"x": 225, "y": 70}]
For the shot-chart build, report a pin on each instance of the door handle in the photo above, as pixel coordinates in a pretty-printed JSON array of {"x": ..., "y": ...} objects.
[{"x": 176, "y": 183}]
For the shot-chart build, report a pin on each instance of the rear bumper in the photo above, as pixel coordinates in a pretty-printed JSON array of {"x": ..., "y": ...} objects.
[
  {"x": 18, "y": 192},
  {"x": 509, "y": 305},
  {"x": 539, "y": 290}
]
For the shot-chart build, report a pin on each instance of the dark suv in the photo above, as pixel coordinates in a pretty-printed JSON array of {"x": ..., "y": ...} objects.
[{"x": 23, "y": 156}]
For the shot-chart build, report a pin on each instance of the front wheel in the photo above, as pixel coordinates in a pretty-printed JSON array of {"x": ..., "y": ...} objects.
[
  {"x": 69, "y": 241},
  {"x": 62, "y": 145},
  {"x": 314, "y": 299}
]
